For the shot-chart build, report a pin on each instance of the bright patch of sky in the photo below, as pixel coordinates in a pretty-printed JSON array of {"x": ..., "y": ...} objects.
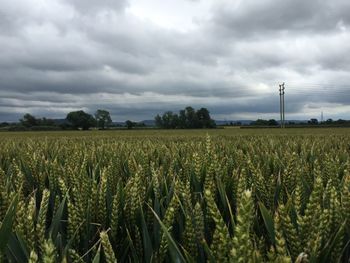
[{"x": 179, "y": 15}]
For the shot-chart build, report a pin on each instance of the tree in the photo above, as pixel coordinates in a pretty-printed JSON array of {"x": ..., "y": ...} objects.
[
  {"x": 340, "y": 121},
  {"x": 80, "y": 119},
  {"x": 272, "y": 122},
  {"x": 45, "y": 122},
  {"x": 329, "y": 121},
  {"x": 170, "y": 120},
  {"x": 4, "y": 124},
  {"x": 191, "y": 118},
  {"x": 203, "y": 119},
  {"x": 313, "y": 121},
  {"x": 186, "y": 119},
  {"x": 182, "y": 119},
  {"x": 158, "y": 121},
  {"x": 129, "y": 124},
  {"x": 103, "y": 118},
  {"x": 260, "y": 122},
  {"x": 29, "y": 120}
]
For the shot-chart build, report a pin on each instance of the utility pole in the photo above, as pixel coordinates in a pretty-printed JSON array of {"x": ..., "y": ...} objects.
[
  {"x": 281, "y": 90},
  {"x": 284, "y": 120}
]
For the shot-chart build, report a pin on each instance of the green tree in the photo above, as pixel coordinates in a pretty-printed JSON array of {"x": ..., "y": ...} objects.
[
  {"x": 313, "y": 121},
  {"x": 182, "y": 119},
  {"x": 169, "y": 120},
  {"x": 4, "y": 124},
  {"x": 272, "y": 122},
  {"x": 187, "y": 118},
  {"x": 260, "y": 122},
  {"x": 28, "y": 120},
  {"x": 45, "y": 122},
  {"x": 191, "y": 118},
  {"x": 203, "y": 119},
  {"x": 158, "y": 121},
  {"x": 329, "y": 121},
  {"x": 80, "y": 119},
  {"x": 129, "y": 124},
  {"x": 103, "y": 118}
]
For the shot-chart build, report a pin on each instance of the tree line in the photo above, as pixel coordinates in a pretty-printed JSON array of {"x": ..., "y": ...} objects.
[
  {"x": 74, "y": 120},
  {"x": 188, "y": 118}
]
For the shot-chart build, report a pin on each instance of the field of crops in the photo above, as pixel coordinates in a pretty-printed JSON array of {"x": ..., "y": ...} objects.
[{"x": 175, "y": 196}]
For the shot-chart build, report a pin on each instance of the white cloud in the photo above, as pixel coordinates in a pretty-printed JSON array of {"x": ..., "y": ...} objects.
[{"x": 179, "y": 15}]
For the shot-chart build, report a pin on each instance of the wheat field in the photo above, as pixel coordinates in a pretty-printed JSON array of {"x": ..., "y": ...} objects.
[{"x": 175, "y": 196}]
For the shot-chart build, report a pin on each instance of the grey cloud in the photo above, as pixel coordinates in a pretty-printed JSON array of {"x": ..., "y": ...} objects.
[
  {"x": 96, "y": 5},
  {"x": 92, "y": 54},
  {"x": 268, "y": 16}
]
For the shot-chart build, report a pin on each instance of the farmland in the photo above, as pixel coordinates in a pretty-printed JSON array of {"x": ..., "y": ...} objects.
[{"x": 223, "y": 195}]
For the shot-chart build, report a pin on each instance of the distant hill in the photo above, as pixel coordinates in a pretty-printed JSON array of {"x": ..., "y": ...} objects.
[{"x": 119, "y": 123}]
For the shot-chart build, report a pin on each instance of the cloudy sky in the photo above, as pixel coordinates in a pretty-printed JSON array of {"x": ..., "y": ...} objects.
[{"x": 137, "y": 58}]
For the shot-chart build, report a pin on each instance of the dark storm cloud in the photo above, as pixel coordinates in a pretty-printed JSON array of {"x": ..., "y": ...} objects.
[
  {"x": 65, "y": 55},
  {"x": 268, "y": 16}
]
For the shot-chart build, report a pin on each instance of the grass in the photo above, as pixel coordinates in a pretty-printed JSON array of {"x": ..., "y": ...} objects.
[{"x": 228, "y": 195}]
